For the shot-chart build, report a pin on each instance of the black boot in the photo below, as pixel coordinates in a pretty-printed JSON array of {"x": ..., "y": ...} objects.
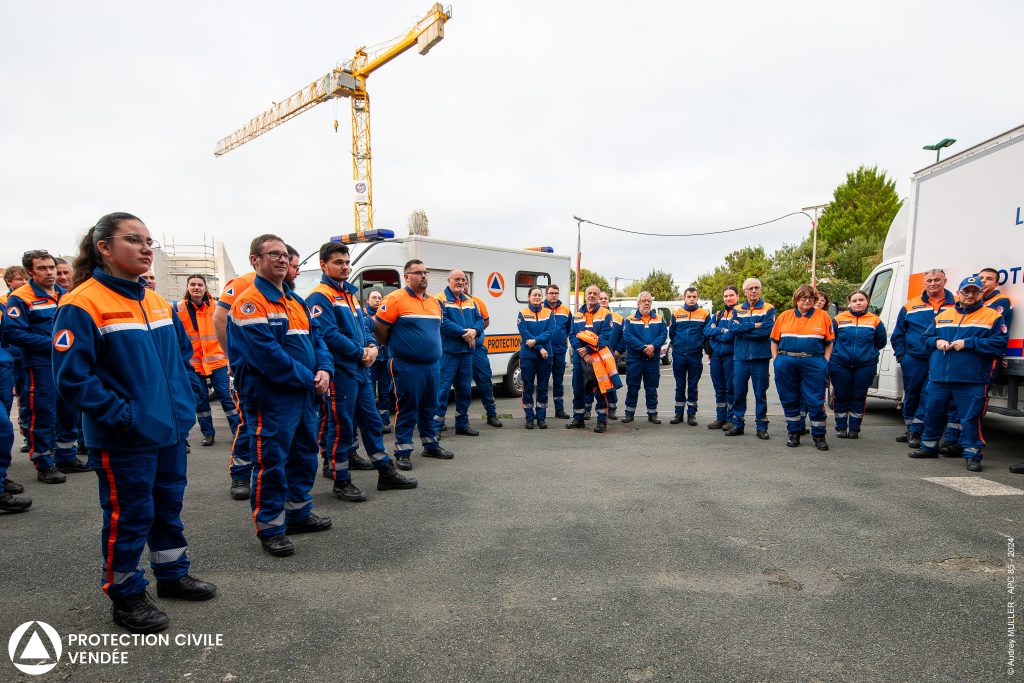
[
  {"x": 842, "y": 434},
  {"x": 762, "y": 434},
  {"x": 359, "y": 462},
  {"x": 187, "y": 587},
  {"x": 654, "y": 419},
  {"x": 278, "y": 545},
  {"x": 13, "y": 487},
  {"x": 344, "y": 489},
  {"x": 853, "y": 435},
  {"x": 439, "y": 453},
  {"x": 612, "y": 415},
  {"x": 793, "y": 440},
  {"x": 310, "y": 525},
  {"x": 904, "y": 437},
  {"x": 239, "y": 489},
  {"x": 138, "y": 614},
  {"x": 819, "y": 443},
  {"x": 50, "y": 476},
  {"x": 542, "y": 424},
  {"x": 529, "y": 424},
  {"x": 493, "y": 421},
  {"x": 601, "y": 427},
  {"x": 72, "y": 467},
  {"x": 12, "y": 503},
  {"x": 734, "y": 431},
  {"x": 677, "y": 419},
  {"x": 691, "y": 420},
  {"x": 627, "y": 418},
  {"x": 576, "y": 424},
  {"x": 914, "y": 441},
  {"x": 562, "y": 415},
  {"x": 388, "y": 478},
  {"x": 208, "y": 439}
]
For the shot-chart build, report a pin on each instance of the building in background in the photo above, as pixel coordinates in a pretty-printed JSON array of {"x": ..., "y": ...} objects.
[{"x": 174, "y": 262}]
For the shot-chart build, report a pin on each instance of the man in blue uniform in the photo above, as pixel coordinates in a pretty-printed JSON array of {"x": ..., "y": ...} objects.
[
  {"x": 752, "y": 351},
  {"x": 643, "y": 335},
  {"x": 350, "y": 401},
  {"x": 686, "y": 329},
  {"x": 409, "y": 323},
  {"x": 617, "y": 345},
  {"x": 559, "y": 345},
  {"x": 461, "y": 328},
  {"x": 963, "y": 341},
  {"x": 483, "y": 377},
  {"x": 29, "y": 326},
  {"x": 283, "y": 366},
  {"x": 914, "y": 319},
  {"x": 592, "y": 317},
  {"x": 10, "y": 501}
]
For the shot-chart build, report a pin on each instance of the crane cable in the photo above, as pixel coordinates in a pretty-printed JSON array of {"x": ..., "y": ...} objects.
[{"x": 693, "y": 234}]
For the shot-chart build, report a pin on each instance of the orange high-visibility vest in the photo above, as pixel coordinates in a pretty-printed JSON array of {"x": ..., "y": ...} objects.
[
  {"x": 207, "y": 355},
  {"x": 604, "y": 367}
]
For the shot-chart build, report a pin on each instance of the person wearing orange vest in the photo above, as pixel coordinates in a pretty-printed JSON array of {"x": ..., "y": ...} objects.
[
  {"x": 801, "y": 342},
  {"x": 599, "y": 373},
  {"x": 208, "y": 358}
]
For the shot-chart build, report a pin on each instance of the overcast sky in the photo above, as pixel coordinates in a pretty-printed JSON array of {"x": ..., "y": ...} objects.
[{"x": 668, "y": 116}]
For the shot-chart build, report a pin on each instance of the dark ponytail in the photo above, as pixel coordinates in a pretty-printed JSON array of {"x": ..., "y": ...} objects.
[{"x": 89, "y": 257}]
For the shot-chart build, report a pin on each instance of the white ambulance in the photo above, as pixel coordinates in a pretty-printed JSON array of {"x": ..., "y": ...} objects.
[
  {"x": 501, "y": 277},
  {"x": 963, "y": 214}
]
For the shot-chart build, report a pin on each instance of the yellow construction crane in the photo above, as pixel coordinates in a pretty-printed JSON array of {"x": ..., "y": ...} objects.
[{"x": 348, "y": 80}]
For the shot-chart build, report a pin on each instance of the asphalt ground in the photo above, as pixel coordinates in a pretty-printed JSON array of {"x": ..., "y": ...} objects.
[{"x": 650, "y": 552}]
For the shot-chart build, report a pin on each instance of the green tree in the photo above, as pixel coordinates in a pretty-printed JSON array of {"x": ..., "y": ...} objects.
[
  {"x": 863, "y": 206},
  {"x": 739, "y": 265},
  {"x": 587, "y": 278},
  {"x": 658, "y": 283}
]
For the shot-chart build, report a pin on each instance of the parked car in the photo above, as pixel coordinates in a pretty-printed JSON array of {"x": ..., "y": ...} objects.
[{"x": 666, "y": 348}]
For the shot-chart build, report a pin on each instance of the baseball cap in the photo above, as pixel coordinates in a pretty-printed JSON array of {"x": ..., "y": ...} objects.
[{"x": 972, "y": 281}]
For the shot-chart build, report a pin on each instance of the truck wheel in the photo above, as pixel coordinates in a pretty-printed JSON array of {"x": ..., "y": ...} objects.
[{"x": 513, "y": 383}]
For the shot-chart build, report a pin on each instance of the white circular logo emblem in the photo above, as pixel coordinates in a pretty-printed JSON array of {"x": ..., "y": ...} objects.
[{"x": 34, "y": 648}]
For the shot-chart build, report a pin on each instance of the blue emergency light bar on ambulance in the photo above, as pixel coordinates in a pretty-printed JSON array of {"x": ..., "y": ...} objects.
[{"x": 500, "y": 277}]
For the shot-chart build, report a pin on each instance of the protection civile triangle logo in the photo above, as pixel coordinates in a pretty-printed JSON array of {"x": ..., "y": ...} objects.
[
  {"x": 34, "y": 648},
  {"x": 495, "y": 284}
]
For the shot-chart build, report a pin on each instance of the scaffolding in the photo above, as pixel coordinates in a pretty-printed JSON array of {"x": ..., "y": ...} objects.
[{"x": 174, "y": 262}]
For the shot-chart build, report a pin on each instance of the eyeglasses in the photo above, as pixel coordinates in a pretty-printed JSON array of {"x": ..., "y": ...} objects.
[
  {"x": 275, "y": 255},
  {"x": 460, "y": 279},
  {"x": 806, "y": 298},
  {"x": 419, "y": 273},
  {"x": 137, "y": 240}
]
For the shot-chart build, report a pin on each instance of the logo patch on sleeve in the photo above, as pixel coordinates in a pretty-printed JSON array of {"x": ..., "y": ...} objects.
[
  {"x": 315, "y": 311},
  {"x": 248, "y": 308},
  {"x": 14, "y": 312},
  {"x": 63, "y": 340}
]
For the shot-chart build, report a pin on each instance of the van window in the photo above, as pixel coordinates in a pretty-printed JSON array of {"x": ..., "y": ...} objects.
[
  {"x": 878, "y": 289},
  {"x": 526, "y": 279},
  {"x": 384, "y": 279}
]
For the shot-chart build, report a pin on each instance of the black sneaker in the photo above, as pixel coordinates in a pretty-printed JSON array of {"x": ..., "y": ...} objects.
[
  {"x": 973, "y": 464},
  {"x": 793, "y": 439},
  {"x": 562, "y": 415},
  {"x": 138, "y": 614},
  {"x": 13, "y": 487},
  {"x": 73, "y": 466},
  {"x": 819, "y": 443},
  {"x": 310, "y": 525},
  {"x": 677, "y": 419},
  {"x": 12, "y": 503},
  {"x": 278, "y": 545},
  {"x": 691, "y": 420},
  {"x": 403, "y": 462},
  {"x": 439, "y": 453},
  {"x": 344, "y": 489},
  {"x": 601, "y": 427},
  {"x": 493, "y": 421},
  {"x": 51, "y": 476},
  {"x": 576, "y": 424},
  {"x": 187, "y": 587},
  {"x": 239, "y": 489},
  {"x": 359, "y": 462},
  {"x": 388, "y": 478},
  {"x": 541, "y": 424}
]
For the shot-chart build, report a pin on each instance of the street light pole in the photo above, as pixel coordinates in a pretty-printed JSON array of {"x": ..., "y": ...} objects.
[
  {"x": 814, "y": 248},
  {"x": 579, "y": 253},
  {"x": 937, "y": 147}
]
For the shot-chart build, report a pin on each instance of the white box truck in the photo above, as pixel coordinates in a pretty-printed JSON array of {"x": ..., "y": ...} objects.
[
  {"x": 963, "y": 214},
  {"x": 499, "y": 276}
]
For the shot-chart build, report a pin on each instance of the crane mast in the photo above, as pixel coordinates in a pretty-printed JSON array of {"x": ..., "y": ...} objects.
[{"x": 348, "y": 80}]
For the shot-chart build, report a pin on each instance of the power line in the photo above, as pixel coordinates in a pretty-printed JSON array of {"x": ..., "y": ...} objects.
[{"x": 692, "y": 234}]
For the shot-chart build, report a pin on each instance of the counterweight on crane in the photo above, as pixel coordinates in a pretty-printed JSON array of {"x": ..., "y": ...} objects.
[{"x": 348, "y": 80}]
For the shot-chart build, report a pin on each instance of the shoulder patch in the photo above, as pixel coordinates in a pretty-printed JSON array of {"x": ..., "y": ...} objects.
[
  {"x": 63, "y": 340},
  {"x": 14, "y": 312},
  {"x": 315, "y": 310},
  {"x": 383, "y": 306},
  {"x": 248, "y": 308},
  {"x": 230, "y": 291}
]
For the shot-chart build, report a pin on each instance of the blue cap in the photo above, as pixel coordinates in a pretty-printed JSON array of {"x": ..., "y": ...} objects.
[{"x": 972, "y": 281}]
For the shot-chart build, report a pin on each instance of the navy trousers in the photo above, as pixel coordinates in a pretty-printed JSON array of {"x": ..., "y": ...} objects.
[
  {"x": 457, "y": 370},
  {"x": 416, "y": 394},
  {"x": 721, "y": 379},
  {"x": 755, "y": 372},
  {"x": 687, "y": 370},
  {"x": 647, "y": 371},
  {"x": 801, "y": 383},
  {"x": 915, "y": 378},
  {"x": 970, "y": 402},
  {"x": 352, "y": 405},
  {"x": 536, "y": 372},
  {"x": 850, "y": 387},
  {"x": 558, "y": 380}
]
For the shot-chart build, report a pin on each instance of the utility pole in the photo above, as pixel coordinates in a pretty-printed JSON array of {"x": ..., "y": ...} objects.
[{"x": 817, "y": 208}]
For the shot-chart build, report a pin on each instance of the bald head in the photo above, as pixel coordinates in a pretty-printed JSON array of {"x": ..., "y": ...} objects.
[
  {"x": 457, "y": 282},
  {"x": 592, "y": 294}
]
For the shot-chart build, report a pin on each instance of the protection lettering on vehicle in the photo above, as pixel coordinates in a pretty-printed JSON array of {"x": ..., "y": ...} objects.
[{"x": 503, "y": 343}]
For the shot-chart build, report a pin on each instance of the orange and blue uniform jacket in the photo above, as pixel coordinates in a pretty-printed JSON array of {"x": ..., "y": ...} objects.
[
  {"x": 598, "y": 320},
  {"x": 1002, "y": 305},
  {"x": 274, "y": 343},
  {"x": 616, "y": 341},
  {"x": 234, "y": 288},
  {"x": 13, "y": 351},
  {"x": 460, "y": 314},
  {"x": 806, "y": 333},
  {"x": 640, "y": 330},
  {"x": 536, "y": 324},
  {"x": 29, "y": 327},
  {"x": 207, "y": 355},
  {"x": 563, "y": 326},
  {"x": 142, "y": 401},
  {"x": 418, "y": 338},
  {"x": 914, "y": 319},
  {"x": 750, "y": 342},
  {"x": 342, "y": 325},
  {"x": 859, "y": 338},
  {"x": 985, "y": 336},
  {"x": 686, "y": 330},
  {"x": 717, "y": 332}
]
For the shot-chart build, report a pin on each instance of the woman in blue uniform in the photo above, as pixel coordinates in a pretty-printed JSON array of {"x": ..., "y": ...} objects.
[
  {"x": 121, "y": 356},
  {"x": 801, "y": 346},
  {"x": 380, "y": 378},
  {"x": 536, "y": 325},
  {"x": 860, "y": 335}
]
